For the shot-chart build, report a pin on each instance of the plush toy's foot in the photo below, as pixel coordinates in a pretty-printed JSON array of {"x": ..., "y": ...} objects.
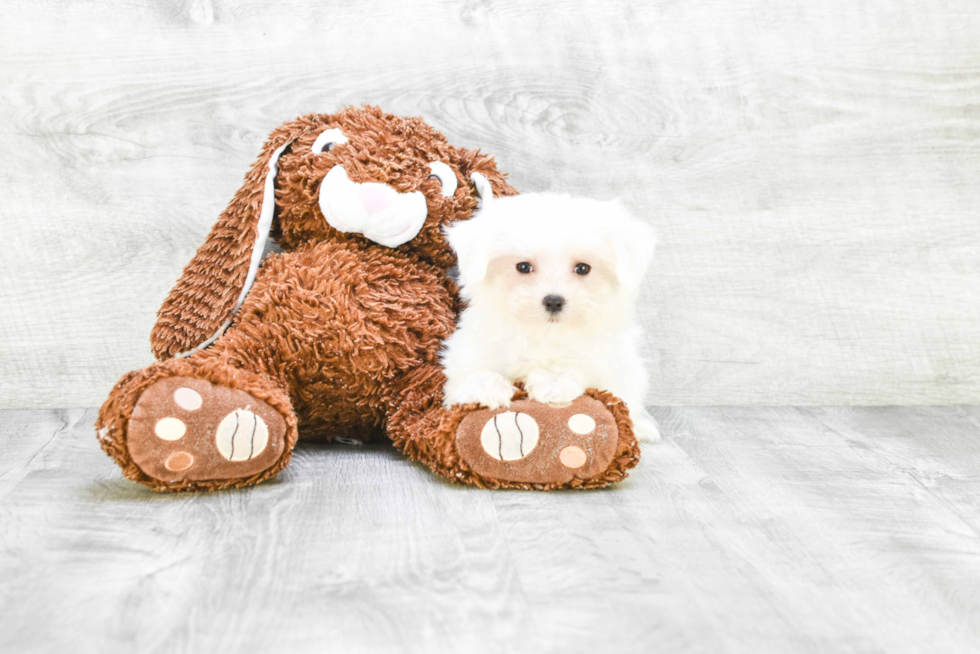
[
  {"x": 188, "y": 433},
  {"x": 535, "y": 443},
  {"x": 586, "y": 444},
  {"x": 186, "y": 429}
]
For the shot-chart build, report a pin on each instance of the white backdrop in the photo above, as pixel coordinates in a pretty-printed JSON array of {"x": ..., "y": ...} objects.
[{"x": 813, "y": 168}]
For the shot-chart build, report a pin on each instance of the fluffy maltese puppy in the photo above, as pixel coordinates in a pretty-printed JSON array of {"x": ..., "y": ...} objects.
[{"x": 551, "y": 284}]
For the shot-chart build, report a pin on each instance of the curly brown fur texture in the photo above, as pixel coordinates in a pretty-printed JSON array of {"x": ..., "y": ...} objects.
[
  {"x": 336, "y": 326},
  {"x": 337, "y": 333},
  {"x": 381, "y": 148}
]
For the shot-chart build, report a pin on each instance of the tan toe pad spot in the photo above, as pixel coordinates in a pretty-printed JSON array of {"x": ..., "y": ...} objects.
[
  {"x": 179, "y": 461},
  {"x": 573, "y": 457}
]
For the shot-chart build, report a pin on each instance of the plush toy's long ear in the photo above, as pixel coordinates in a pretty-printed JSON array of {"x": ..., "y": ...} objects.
[
  {"x": 484, "y": 189},
  {"x": 214, "y": 284},
  {"x": 474, "y": 161}
]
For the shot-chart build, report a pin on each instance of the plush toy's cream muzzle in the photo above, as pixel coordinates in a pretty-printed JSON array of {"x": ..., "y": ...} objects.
[{"x": 377, "y": 211}]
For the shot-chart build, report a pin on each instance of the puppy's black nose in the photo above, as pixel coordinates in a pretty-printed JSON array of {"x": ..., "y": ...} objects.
[{"x": 553, "y": 303}]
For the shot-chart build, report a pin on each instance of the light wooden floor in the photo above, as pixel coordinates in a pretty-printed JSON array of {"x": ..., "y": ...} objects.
[{"x": 749, "y": 529}]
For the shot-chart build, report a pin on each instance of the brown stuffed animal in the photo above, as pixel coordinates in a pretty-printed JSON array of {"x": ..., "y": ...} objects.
[{"x": 338, "y": 336}]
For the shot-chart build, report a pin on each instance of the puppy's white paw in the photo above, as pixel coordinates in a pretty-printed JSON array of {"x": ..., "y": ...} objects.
[
  {"x": 488, "y": 388},
  {"x": 645, "y": 428},
  {"x": 550, "y": 388}
]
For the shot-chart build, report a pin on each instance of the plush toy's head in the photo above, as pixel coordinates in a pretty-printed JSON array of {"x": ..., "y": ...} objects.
[
  {"x": 359, "y": 175},
  {"x": 371, "y": 177}
]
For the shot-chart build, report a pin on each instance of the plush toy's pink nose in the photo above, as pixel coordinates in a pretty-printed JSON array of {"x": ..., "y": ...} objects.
[{"x": 376, "y": 197}]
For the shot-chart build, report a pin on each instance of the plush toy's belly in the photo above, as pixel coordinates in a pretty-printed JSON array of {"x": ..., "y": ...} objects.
[{"x": 338, "y": 328}]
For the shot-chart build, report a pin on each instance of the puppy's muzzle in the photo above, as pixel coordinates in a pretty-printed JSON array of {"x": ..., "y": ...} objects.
[
  {"x": 377, "y": 211},
  {"x": 553, "y": 304}
]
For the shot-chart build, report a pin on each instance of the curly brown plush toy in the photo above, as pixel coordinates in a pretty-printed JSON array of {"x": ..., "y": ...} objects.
[{"x": 338, "y": 336}]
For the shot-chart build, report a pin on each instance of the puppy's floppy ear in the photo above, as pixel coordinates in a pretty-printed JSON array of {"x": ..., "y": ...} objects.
[
  {"x": 214, "y": 284},
  {"x": 633, "y": 244},
  {"x": 471, "y": 240}
]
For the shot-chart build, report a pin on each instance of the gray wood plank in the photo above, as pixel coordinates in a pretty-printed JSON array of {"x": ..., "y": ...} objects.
[
  {"x": 812, "y": 168},
  {"x": 26, "y": 435},
  {"x": 745, "y": 530},
  {"x": 937, "y": 447},
  {"x": 854, "y": 554},
  {"x": 353, "y": 549}
]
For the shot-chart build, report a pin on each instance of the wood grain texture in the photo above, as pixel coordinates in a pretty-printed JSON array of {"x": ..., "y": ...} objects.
[
  {"x": 813, "y": 168},
  {"x": 745, "y": 530}
]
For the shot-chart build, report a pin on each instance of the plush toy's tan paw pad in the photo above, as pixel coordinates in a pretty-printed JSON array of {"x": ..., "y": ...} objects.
[
  {"x": 532, "y": 442},
  {"x": 187, "y": 428}
]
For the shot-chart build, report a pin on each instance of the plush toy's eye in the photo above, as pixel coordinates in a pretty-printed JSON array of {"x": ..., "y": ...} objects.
[
  {"x": 446, "y": 177},
  {"x": 524, "y": 267},
  {"x": 327, "y": 140},
  {"x": 582, "y": 269}
]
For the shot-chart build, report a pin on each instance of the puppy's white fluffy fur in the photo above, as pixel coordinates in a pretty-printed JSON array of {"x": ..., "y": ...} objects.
[{"x": 506, "y": 334}]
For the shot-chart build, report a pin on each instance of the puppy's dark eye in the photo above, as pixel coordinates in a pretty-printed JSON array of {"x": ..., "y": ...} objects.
[
  {"x": 582, "y": 269},
  {"x": 524, "y": 267},
  {"x": 327, "y": 147}
]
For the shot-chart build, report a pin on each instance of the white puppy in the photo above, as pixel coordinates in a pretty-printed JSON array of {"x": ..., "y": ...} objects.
[{"x": 551, "y": 283}]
